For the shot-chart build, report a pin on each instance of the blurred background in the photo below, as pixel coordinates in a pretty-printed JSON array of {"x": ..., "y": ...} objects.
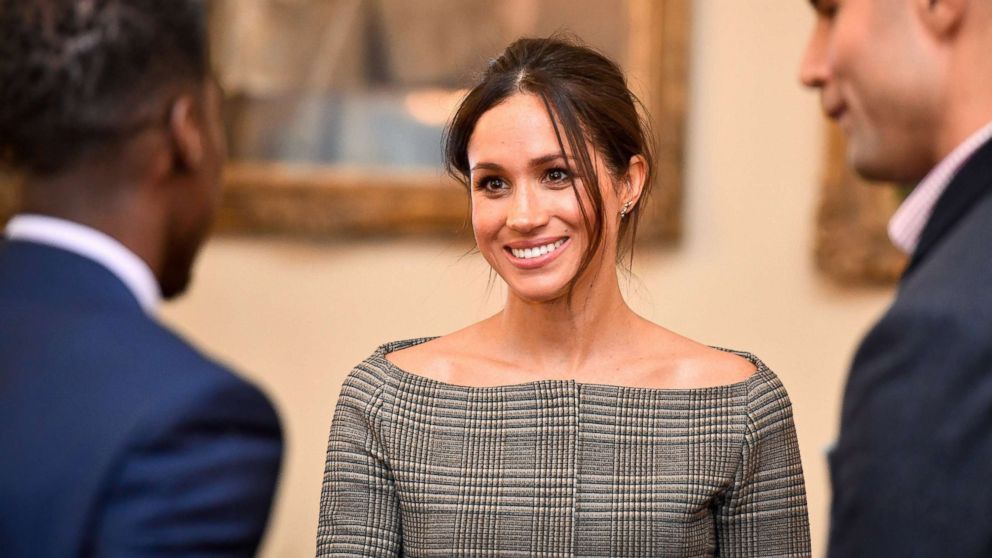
[{"x": 363, "y": 87}]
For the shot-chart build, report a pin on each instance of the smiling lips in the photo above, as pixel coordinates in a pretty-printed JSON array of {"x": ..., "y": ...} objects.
[
  {"x": 530, "y": 253},
  {"x": 834, "y": 107},
  {"x": 537, "y": 255}
]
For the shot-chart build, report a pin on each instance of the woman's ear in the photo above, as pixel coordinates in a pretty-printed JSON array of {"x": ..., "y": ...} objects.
[
  {"x": 941, "y": 18},
  {"x": 186, "y": 133},
  {"x": 633, "y": 186}
]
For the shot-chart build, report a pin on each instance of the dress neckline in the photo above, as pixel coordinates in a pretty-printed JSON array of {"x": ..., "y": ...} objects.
[{"x": 383, "y": 350}]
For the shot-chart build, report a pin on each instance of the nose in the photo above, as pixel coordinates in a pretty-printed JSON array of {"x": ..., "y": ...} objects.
[
  {"x": 526, "y": 212},
  {"x": 814, "y": 69}
]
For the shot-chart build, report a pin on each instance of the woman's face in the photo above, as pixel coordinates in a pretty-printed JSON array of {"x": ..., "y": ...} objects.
[{"x": 527, "y": 222}]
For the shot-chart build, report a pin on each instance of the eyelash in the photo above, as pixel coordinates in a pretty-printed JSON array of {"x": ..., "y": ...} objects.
[
  {"x": 566, "y": 176},
  {"x": 829, "y": 10},
  {"x": 486, "y": 183}
]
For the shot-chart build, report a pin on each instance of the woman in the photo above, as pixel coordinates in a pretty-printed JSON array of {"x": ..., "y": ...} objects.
[{"x": 566, "y": 424}]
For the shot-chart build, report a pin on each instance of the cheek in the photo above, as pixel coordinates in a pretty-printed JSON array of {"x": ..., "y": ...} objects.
[
  {"x": 576, "y": 222},
  {"x": 871, "y": 45},
  {"x": 849, "y": 42},
  {"x": 566, "y": 206},
  {"x": 487, "y": 220}
]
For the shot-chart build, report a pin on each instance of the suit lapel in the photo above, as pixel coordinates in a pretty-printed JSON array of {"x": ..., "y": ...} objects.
[{"x": 969, "y": 185}]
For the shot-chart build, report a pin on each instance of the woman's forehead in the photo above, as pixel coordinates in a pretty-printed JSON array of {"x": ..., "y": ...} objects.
[{"x": 517, "y": 128}]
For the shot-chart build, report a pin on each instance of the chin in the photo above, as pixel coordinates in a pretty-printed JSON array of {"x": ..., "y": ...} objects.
[
  {"x": 879, "y": 169},
  {"x": 539, "y": 292},
  {"x": 177, "y": 271},
  {"x": 175, "y": 286},
  {"x": 871, "y": 173},
  {"x": 868, "y": 163},
  {"x": 888, "y": 160}
]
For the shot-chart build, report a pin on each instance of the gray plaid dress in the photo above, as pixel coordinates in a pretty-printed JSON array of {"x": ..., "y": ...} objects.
[{"x": 418, "y": 467}]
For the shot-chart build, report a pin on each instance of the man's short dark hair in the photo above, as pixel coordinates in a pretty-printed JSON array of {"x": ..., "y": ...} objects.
[{"x": 79, "y": 75}]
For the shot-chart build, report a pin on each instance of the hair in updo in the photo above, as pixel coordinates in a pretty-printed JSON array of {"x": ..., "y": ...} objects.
[
  {"x": 78, "y": 75},
  {"x": 587, "y": 98}
]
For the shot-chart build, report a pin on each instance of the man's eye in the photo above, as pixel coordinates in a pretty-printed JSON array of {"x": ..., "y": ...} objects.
[{"x": 827, "y": 9}]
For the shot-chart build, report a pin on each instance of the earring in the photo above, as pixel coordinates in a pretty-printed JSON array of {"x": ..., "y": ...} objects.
[{"x": 625, "y": 209}]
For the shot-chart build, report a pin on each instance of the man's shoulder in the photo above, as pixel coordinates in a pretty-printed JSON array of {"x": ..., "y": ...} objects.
[
  {"x": 183, "y": 375},
  {"x": 92, "y": 388},
  {"x": 122, "y": 416},
  {"x": 953, "y": 279},
  {"x": 112, "y": 361},
  {"x": 139, "y": 343},
  {"x": 941, "y": 317}
]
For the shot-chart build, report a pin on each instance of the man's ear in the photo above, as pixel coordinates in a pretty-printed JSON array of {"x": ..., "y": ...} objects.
[
  {"x": 186, "y": 133},
  {"x": 637, "y": 174},
  {"x": 942, "y": 18}
]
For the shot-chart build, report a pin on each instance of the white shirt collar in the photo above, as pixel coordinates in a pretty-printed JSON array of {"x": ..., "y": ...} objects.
[
  {"x": 906, "y": 226},
  {"x": 94, "y": 245}
]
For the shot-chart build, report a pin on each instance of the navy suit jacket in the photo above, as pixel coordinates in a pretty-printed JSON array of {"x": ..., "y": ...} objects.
[
  {"x": 912, "y": 470},
  {"x": 116, "y": 437}
]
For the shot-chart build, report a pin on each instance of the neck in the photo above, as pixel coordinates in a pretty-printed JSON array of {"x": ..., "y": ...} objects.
[
  {"x": 113, "y": 209},
  {"x": 974, "y": 114},
  {"x": 561, "y": 336},
  {"x": 968, "y": 96}
]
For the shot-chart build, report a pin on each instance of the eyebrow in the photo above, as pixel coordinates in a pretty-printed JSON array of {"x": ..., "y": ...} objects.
[{"x": 536, "y": 162}]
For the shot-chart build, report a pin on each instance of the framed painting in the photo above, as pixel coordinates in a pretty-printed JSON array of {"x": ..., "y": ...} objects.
[
  {"x": 335, "y": 109},
  {"x": 852, "y": 245}
]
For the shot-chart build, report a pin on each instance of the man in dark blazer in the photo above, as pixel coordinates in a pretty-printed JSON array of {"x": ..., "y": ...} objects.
[
  {"x": 116, "y": 437},
  {"x": 910, "y": 83}
]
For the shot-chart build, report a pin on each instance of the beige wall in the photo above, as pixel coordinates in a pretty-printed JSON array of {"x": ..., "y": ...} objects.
[{"x": 296, "y": 316}]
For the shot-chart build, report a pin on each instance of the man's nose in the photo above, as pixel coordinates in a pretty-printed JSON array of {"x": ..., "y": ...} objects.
[{"x": 813, "y": 68}]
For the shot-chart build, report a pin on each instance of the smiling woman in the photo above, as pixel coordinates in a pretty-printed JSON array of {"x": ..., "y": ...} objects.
[
  {"x": 565, "y": 424},
  {"x": 519, "y": 140},
  {"x": 530, "y": 210}
]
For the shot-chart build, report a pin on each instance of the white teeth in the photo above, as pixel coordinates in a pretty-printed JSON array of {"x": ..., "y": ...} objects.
[{"x": 528, "y": 253}]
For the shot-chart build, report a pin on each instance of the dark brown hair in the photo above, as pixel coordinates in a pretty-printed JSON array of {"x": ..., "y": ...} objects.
[
  {"x": 79, "y": 75},
  {"x": 587, "y": 98}
]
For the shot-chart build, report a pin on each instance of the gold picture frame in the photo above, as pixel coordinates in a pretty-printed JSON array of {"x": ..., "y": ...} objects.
[
  {"x": 315, "y": 201},
  {"x": 328, "y": 202}
]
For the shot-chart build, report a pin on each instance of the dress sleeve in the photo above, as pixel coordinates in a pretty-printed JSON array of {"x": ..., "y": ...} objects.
[
  {"x": 359, "y": 510},
  {"x": 764, "y": 511}
]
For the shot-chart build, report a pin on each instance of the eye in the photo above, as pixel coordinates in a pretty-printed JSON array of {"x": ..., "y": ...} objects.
[
  {"x": 827, "y": 8},
  {"x": 557, "y": 175},
  {"x": 491, "y": 184}
]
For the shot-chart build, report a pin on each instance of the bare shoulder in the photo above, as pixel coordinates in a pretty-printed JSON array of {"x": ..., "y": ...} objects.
[
  {"x": 423, "y": 359},
  {"x": 688, "y": 364},
  {"x": 716, "y": 367},
  {"x": 448, "y": 358}
]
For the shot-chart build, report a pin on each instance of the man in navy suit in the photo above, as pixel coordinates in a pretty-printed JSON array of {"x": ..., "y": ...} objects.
[
  {"x": 116, "y": 437},
  {"x": 910, "y": 83}
]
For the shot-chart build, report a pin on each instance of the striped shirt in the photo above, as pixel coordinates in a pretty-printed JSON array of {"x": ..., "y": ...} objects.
[
  {"x": 557, "y": 468},
  {"x": 906, "y": 226}
]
